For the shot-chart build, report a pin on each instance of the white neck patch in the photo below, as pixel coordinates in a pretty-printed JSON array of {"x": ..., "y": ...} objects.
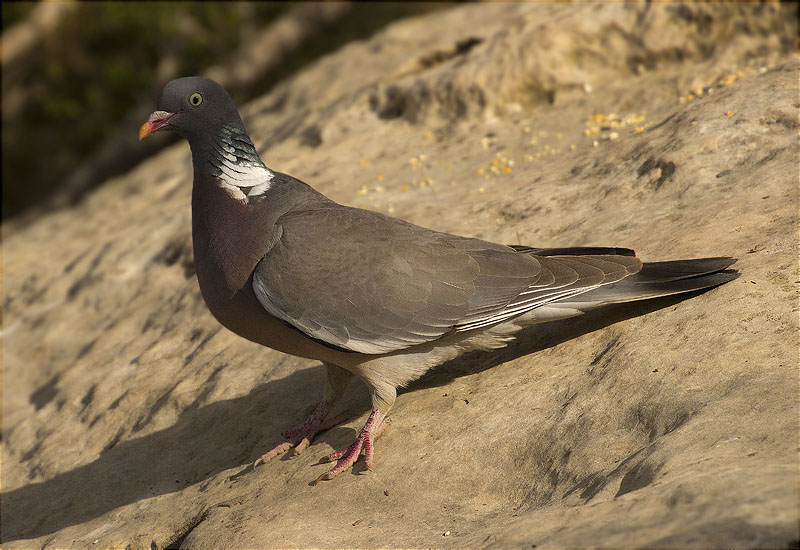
[
  {"x": 241, "y": 183},
  {"x": 237, "y": 166}
]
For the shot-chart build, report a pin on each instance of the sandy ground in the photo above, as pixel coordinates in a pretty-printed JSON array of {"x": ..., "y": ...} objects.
[{"x": 130, "y": 417}]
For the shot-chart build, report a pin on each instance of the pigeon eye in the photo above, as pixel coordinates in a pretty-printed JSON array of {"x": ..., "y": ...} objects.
[{"x": 195, "y": 99}]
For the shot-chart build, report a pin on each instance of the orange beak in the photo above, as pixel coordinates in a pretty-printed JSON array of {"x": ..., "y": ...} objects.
[{"x": 156, "y": 121}]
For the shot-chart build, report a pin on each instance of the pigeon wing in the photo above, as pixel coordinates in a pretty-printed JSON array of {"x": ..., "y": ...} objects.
[{"x": 365, "y": 282}]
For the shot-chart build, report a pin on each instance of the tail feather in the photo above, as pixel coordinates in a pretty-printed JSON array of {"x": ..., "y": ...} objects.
[
  {"x": 657, "y": 279},
  {"x": 655, "y": 272},
  {"x": 574, "y": 251}
]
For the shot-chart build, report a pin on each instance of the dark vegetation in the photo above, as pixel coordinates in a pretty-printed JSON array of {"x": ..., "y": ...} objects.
[{"x": 78, "y": 77}]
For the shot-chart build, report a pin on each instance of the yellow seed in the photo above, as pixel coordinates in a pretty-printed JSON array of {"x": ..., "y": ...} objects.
[
  {"x": 559, "y": 136},
  {"x": 638, "y": 129},
  {"x": 481, "y": 190},
  {"x": 362, "y": 191},
  {"x": 613, "y": 135},
  {"x": 428, "y": 134},
  {"x": 682, "y": 99},
  {"x": 495, "y": 162},
  {"x": 404, "y": 189},
  {"x": 364, "y": 162},
  {"x": 479, "y": 171},
  {"x": 379, "y": 189},
  {"x": 413, "y": 162},
  {"x": 595, "y": 143},
  {"x": 506, "y": 170},
  {"x": 587, "y": 132},
  {"x": 572, "y": 147},
  {"x": 729, "y": 114},
  {"x": 527, "y": 158},
  {"x": 380, "y": 177},
  {"x": 595, "y": 129},
  {"x": 526, "y": 130},
  {"x": 694, "y": 123}
]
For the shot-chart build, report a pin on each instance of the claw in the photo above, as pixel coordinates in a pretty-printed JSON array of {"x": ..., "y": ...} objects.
[{"x": 324, "y": 477}]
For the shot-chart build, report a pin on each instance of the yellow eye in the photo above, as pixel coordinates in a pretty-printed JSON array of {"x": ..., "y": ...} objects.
[{"x": 195, "y": 99}]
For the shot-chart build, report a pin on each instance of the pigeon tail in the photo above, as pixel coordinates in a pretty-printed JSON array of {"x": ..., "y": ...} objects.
[{"x": 657, "y": 279}]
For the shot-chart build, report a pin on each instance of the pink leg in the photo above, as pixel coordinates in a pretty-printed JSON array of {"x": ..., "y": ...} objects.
[
  {"x": 371, "y": 430},
  {"x": 300, "y": 438}
]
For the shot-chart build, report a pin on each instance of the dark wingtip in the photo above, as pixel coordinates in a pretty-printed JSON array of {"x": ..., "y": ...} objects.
[
  {"x": 674, "y": 270},
  {"x": 575, "y": 251}
]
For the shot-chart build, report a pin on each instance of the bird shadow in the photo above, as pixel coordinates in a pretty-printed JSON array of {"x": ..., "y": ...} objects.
[{"x": 210, "y": 439}]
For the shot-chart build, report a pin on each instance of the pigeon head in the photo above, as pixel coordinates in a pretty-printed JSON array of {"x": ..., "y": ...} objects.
[
  {"x": 201, "y": 110},
  {"x": 195, "y": 107}
]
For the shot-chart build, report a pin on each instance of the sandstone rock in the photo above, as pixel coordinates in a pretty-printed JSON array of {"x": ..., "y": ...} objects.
[{"x": 130, "y": 416}]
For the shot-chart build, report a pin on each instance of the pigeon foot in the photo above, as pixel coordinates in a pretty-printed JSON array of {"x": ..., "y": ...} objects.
[
  {"x": 301, "y": 437},
  {"x": 363, "y": 443}
]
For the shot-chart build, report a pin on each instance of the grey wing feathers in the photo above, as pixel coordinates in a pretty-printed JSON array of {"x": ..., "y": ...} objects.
[
  {"x": 368, "y": 283},
  {"x": 560, "y": 277},
  {"x": 364, "y": 282}
]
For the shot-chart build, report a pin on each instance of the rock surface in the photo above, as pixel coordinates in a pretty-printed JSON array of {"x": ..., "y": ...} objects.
[{"x": 130, "y": 416}]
